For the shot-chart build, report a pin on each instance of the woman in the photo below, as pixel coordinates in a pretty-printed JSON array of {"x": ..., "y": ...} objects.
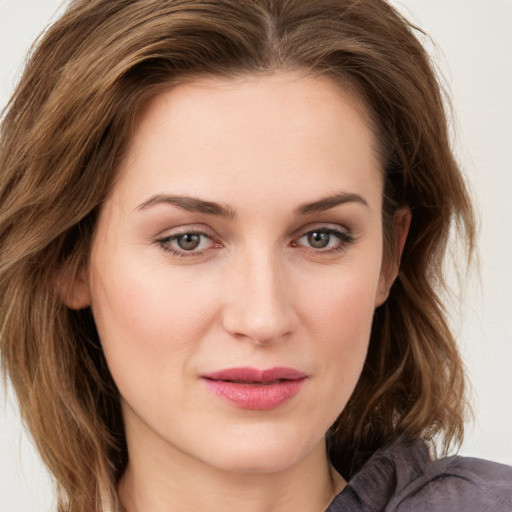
[{"x": 222, "y": 234}]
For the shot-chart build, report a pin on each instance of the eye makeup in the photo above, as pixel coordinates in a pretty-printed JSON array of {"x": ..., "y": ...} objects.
[{"x": 188, "y": 243}]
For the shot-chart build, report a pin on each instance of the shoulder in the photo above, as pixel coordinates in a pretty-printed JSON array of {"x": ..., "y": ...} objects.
[
  {"x": 404, "y": 478},
  {"x": 458, "y": 483}
]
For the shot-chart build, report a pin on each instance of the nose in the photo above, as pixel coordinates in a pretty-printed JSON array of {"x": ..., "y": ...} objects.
[{"x": 258, "y": 304}]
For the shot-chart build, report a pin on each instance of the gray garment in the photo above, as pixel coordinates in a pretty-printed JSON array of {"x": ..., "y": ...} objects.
[{"x": 403, "y": 478}]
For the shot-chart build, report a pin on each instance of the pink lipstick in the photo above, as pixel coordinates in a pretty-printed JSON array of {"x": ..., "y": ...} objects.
[{"x": 251, "y": 388}]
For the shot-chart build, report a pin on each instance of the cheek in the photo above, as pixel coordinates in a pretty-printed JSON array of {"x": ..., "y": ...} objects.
[
  {"x": 342, "y": 307},
  {"x": 149, "y": 320},
  {"x": 339, "y": 317}
]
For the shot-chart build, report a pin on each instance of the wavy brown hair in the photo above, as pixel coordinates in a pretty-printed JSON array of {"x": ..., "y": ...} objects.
[{"x": 64, "y": 131}]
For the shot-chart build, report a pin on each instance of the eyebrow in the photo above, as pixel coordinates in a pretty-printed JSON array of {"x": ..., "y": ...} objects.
[
  {"x": 193, "y": 204},
  {"x": 329, "y": 202}
]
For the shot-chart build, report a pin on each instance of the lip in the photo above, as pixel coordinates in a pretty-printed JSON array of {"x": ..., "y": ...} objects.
[{"x": 253, "y": 388}]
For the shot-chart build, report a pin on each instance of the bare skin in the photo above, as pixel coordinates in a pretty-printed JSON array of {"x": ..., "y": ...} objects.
[{"x": 244, "y": 230}]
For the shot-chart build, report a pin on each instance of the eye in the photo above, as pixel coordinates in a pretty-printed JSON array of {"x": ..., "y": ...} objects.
[
  {"x": 325, "y": 239},
  {"x": 188, "y": 243},
  {"x": 318, "y": 239}
]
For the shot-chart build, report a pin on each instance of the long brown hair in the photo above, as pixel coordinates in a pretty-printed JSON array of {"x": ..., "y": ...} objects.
[{"x": 66, "y": 128}]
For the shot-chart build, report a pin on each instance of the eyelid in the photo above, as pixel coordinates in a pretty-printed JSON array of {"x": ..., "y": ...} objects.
[
  {"x": 164, "y": 240},
  {"x": 344, "y": 235},
  {"x": 186, "y": 228},
  {"x": 322, "y": 226}
]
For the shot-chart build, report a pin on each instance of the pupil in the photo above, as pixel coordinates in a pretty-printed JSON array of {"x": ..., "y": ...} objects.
[
  {"x": 318, "y": 240},
  {"x": 189, "y": 241}
]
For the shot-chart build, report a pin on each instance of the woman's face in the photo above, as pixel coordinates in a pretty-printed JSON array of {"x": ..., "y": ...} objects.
[{"x": 236, "y": 267}]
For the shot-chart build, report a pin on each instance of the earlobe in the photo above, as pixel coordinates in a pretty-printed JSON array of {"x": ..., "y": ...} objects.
[
  {"x": 389, "y": 271},
  {"x": 73, "y": 289}
]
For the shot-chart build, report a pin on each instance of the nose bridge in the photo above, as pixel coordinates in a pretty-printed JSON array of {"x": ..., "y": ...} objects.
[{"x": 258, "y": 307}]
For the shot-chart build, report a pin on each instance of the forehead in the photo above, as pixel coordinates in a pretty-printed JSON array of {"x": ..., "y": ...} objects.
[{"x": 286, "y": 129}]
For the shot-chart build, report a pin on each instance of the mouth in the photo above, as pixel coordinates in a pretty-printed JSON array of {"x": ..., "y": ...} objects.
[
  {"x": 252, "y": 382},
  {"x": 255, "y": 375},
  {"x": 252, "y": 388}
]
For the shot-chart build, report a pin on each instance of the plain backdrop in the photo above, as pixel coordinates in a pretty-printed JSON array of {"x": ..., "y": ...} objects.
[{"x": 472, "y": 46}]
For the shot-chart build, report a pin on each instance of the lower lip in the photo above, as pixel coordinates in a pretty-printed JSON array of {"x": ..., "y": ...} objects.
[{"x": 255, "y": 396}]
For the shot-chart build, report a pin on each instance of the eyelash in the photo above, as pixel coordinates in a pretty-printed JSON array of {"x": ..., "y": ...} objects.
[
  {"x": 344, "y": 238},
  {"x": 165, "y": 241}
]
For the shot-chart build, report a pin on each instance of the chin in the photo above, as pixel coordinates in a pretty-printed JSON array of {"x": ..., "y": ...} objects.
[
  {"x": 260, "y": 453},
  {"x": 263, "y": 462}
]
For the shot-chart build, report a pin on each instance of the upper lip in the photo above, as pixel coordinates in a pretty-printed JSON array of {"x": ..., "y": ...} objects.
[{"x": 249, "y": 374}]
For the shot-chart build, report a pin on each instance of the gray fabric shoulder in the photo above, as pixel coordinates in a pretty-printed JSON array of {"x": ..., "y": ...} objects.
[
  {"x": 457, "y": 483},
  {"x": 403, "y": 478}
]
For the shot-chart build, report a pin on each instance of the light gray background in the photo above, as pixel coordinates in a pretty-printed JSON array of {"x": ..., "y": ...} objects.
[{"x": 473, "y": 50}]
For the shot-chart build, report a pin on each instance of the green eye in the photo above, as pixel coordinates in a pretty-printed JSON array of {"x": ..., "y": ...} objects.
[
  {"x": 319, "y": 239},
  {"x": 192, "y": 243},
  {"x": 326, "y": 239},
  {"x": 188, "y": 241}
]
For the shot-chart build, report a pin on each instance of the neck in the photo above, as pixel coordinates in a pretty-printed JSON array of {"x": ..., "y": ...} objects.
[{"x": 158, "y": 481}]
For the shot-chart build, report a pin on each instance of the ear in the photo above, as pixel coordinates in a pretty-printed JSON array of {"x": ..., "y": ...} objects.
[
  {"x": 73, "y": 288},
  {"x": 389, "y": 270}
]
